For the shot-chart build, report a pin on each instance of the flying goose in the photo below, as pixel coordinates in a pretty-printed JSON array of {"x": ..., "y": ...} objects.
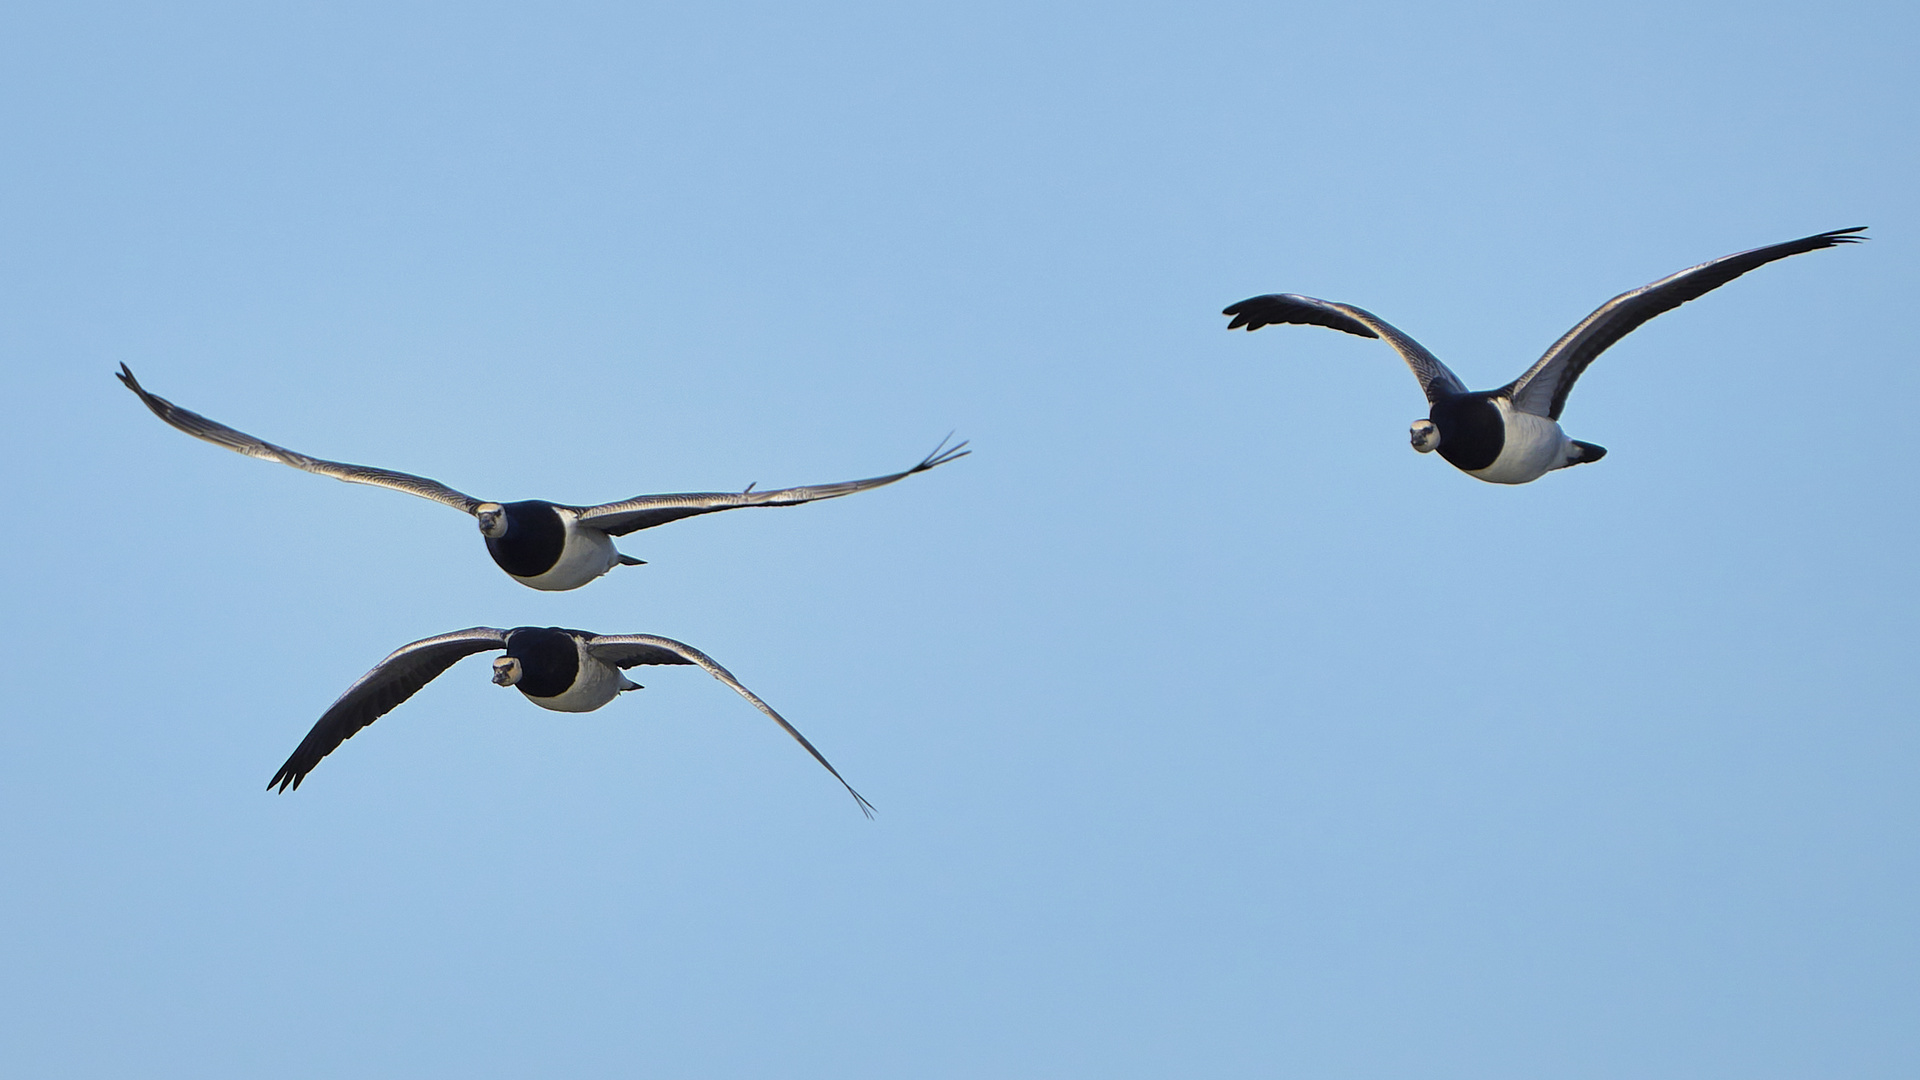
[
  {"x": 1512, "y": 435},
  {"x": 562, "y": 670},
  {"x": 540, "y": 544}
]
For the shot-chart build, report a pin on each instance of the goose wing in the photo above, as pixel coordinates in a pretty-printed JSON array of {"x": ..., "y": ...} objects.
[
  {"x": 621, "y": 518},
  {"x": 1543, "y": 389},
  {"x": 379, "y": 691},
  {"x": 1436, "y": 381},
  {"x": 630, "y": 650},
  {"x": 221, "y": 435}
]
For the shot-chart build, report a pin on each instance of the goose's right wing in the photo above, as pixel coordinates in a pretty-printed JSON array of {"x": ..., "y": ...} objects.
[
  {"x": 1543, "y": 389},
  {"x": 629, "y": 650},
  {"x": 221, "y": 435},
  {"x": 379, "y": 691},
  {"x": 1436, "y": 381}
]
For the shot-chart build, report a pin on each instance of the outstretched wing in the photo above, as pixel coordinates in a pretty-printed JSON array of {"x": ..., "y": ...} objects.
[
  {"x": 377, "y": 692},
  {"x": 221, "y": 435},
  {"x": 1435, "y": 380},
  {"x": 621, "y": 518},
  {"x": 629, "y": 650},
  {"x": 1543, "y": 389}
]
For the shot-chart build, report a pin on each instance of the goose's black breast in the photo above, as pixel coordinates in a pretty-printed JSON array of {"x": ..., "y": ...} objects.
[
  {"x": 534, "y": 539},
  {"x": 549, "y": 662},
  {"x": 1472, "y": 433}
]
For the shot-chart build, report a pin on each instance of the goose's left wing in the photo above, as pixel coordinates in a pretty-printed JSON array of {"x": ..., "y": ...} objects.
[
  {"x": 630, "y": 650},
  {"x": 1543, "y": 389},
  {"x": 240, "y": 442},
  {"x": 647, "y": 511}
]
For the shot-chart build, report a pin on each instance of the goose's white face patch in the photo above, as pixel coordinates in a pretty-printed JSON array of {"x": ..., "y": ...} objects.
[
  {"x": 506, "y": 670},
  {"x": 1426, "y": 436},
  {"x": 493, "y": 520}
]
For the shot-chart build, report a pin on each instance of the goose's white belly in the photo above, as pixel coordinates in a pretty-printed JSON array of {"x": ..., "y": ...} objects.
[
  {"x": 1533, "y": 447},
  {"x": 584, "y": 555},
  {"x": 597, "y": 683}
]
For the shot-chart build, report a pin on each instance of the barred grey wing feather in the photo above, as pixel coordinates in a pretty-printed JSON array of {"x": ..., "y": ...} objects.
[
  {"x": 1436, "y": 380},
  {"x": 1543, "y": 389},
  {"x": 239, "y": 441},
  {"x": 629, "y": 650},
  {"x": 648, "y": 511},
  {"x": 379, "y": 692},
  {"x": 634, "y": 650}
]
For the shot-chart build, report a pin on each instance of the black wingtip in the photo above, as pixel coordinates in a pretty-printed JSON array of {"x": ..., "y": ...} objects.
[
  {"x": 1838, "y": 237},
  {"x": 288, "y": 776},
  {"x": 1240, "y": 317},
  {"x": 942, "y": 454},
  {"x": 1273, "y": 309}
]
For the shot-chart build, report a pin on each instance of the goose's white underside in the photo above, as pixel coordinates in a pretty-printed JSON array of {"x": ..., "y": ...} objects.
[
  {"x": 586, "y": 554},
  {"x": 597, "y": 683},
  {"x": 1534, "y": 447}
]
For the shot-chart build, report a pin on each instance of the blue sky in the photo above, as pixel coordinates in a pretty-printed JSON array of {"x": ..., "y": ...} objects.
[{"x": 1212, "y": 730}]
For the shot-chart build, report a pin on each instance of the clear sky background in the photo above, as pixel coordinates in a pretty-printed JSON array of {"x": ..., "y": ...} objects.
[{"x": 1213, "y": 731}]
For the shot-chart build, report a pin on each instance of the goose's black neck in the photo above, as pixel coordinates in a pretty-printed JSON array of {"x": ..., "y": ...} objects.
[
  {"x": 533, "y": 541},
  {"x": 1472, "y": 432},
  {"x": 549, "y": 661}
]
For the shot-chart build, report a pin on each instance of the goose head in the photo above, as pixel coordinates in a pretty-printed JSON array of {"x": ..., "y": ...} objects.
[{"x": 493, "y": 520}]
